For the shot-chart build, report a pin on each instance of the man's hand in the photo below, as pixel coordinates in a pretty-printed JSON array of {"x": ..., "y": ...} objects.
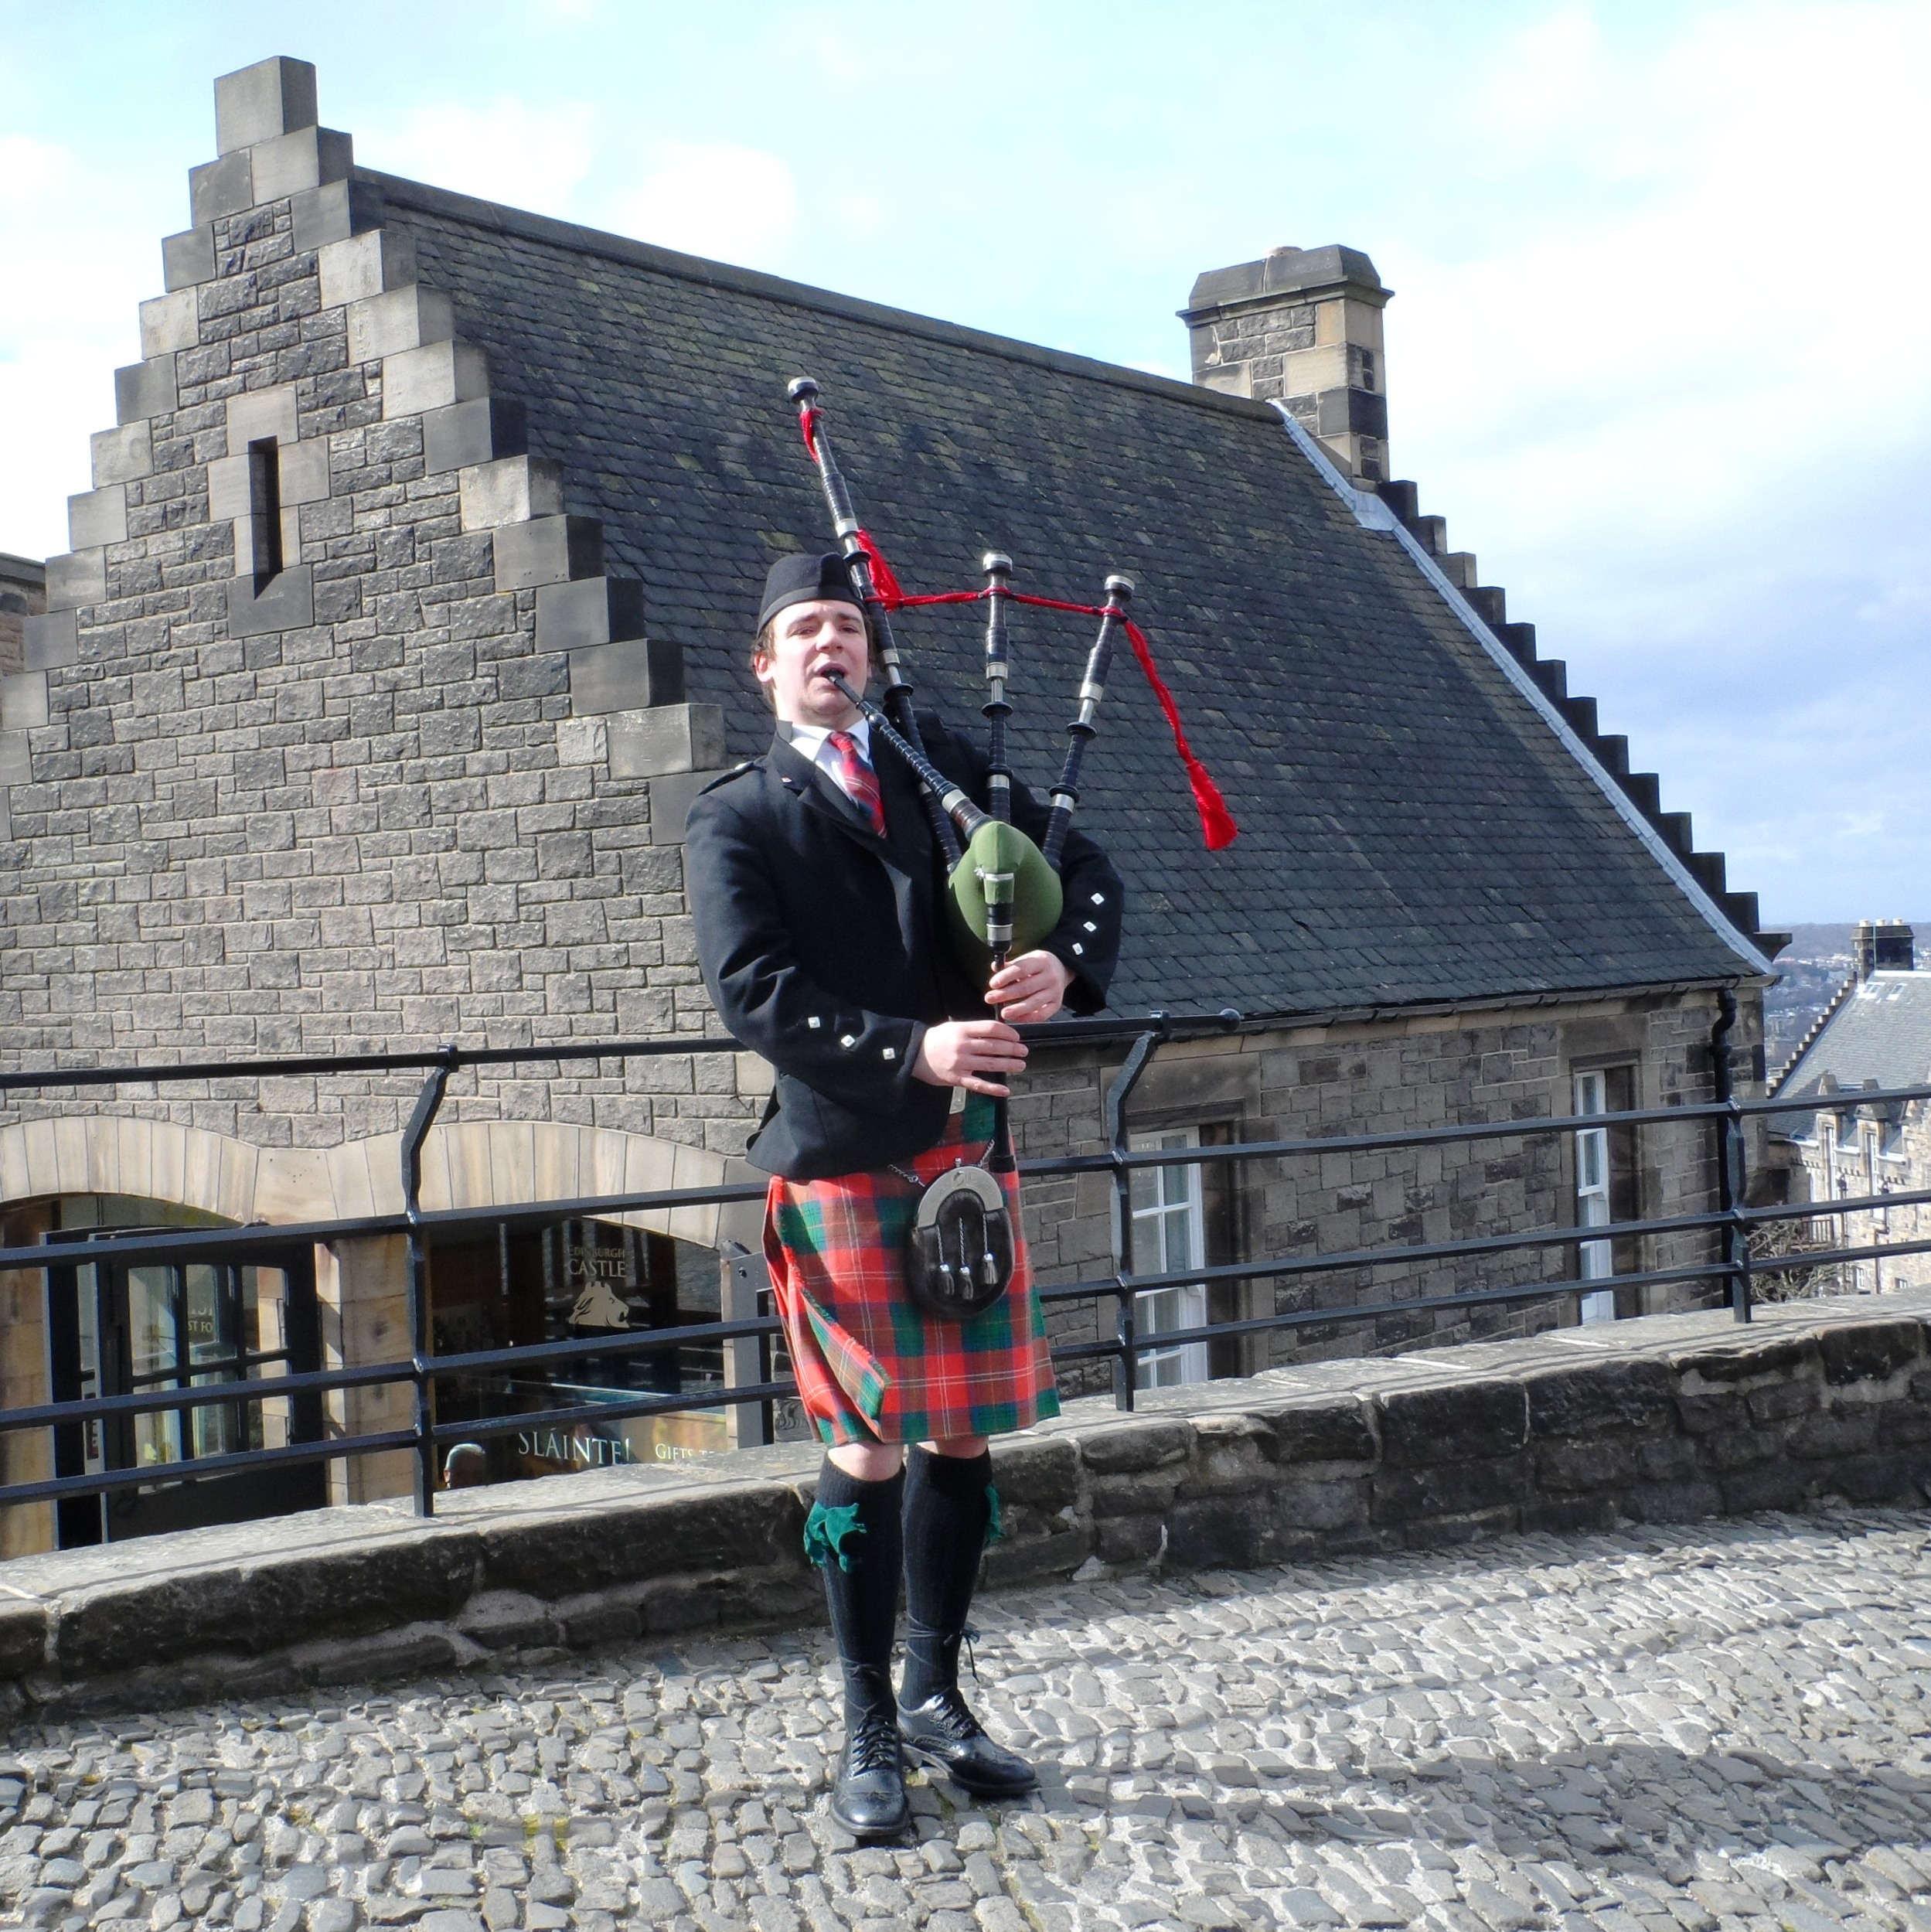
[
  {"x": 1031, "y": 987},
  {"x": 973, "y": 1054}
]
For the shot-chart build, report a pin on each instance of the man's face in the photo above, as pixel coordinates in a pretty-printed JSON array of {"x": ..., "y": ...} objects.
[{"x": 807, "y": 641}]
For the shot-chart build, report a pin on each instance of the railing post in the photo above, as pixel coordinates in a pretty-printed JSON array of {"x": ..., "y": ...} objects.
[
  {"x": 741, "y": 1275},
  {"x": 1732, "y": 1175},
  {"x": 1125, "y": 1325},
  {"x": 424, "y": 1417}
]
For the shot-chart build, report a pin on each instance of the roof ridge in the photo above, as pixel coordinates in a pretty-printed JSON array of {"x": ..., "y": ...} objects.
[{"x": 450, "y": 202}]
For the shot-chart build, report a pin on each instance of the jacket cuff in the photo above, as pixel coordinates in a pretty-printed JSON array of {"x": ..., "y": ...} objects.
[{"x": 914, "y": 1046}]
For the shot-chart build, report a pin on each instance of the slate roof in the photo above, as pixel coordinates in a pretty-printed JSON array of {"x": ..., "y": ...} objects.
[
  {"x": 1881, "y": 1031},
  {"x": 1413, "y": 829}
]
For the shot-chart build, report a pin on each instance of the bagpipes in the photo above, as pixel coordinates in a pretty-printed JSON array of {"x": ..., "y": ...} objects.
[{"x": 1003, "y": 890}]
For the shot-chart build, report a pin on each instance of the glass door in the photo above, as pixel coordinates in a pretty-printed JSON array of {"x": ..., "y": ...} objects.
[{"x": 151, "y": 1327}]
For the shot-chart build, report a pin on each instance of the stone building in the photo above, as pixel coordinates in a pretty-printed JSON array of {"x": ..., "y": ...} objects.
[
  {"x": 408, "y": 611},
  {"x": 1875, "y": 1034}
]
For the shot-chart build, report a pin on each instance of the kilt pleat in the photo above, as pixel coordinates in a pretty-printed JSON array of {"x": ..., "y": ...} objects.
[{"x": 872, "y": 1366}]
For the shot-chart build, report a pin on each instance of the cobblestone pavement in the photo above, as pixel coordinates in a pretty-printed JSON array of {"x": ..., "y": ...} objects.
[{"x": 1720, "y": 1725}]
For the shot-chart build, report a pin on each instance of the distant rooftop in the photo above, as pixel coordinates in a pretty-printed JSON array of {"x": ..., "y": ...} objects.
[{"x": 1880, "y": 1032}]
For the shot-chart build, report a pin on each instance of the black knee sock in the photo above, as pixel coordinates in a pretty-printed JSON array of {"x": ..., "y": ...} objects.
[
  {"x": 855, "y": 1535},
  {"x": 948, "y": 1508}
]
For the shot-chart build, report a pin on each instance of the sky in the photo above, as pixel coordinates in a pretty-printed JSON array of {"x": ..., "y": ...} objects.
[{"x": 1659, "y": 348}]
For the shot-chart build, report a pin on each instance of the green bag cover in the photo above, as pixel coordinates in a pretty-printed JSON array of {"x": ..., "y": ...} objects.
[{"x": 1003, "y": 863}]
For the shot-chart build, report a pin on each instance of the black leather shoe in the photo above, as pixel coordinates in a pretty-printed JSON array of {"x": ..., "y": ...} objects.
[
  {"x": 869, "y": 1797},
  {"x": 944, "y": 1732}
]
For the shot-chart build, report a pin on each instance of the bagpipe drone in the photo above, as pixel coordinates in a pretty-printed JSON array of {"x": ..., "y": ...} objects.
[{"x": 1003, "y": 890}]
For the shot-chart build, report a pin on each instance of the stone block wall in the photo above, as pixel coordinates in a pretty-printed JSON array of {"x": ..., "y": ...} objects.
[
  {"x": 337, "y": 733},
  {"x": 23, "y": 595},
  {"x": 1392, "y": 1076},
  {"x": 1302, "y": 326}
]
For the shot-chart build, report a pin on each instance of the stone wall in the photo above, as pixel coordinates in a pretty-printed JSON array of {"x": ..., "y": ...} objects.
[
  {"x": 23, "y": 594},
  {"x": 1391, "y": 1076},
  {"x": 1659, "y": 1420},
  {"x": 399, "y": 787},
  {"x": 1302, "y": 326}
]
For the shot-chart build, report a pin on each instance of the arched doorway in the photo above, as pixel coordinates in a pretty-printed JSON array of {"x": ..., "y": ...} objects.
[{"x": 515, "y": 1275}]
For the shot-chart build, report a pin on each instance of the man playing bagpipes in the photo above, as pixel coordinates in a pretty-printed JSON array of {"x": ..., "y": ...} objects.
[
  {"x": 877, "y": 912},
  {"x": 826, "y": 937}
]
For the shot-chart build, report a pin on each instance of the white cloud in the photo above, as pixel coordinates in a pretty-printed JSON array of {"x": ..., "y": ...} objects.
[
  {"x": 1673, "y": 384},
  {"x": 66, "y": 320},
  {"x": 509, "y": 151},
  {"x": 29, "y": 169},
  {"x": 730, "y": 203}
]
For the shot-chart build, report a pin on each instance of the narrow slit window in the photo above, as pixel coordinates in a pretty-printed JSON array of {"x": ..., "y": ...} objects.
[{"x": 264, "y": 509}]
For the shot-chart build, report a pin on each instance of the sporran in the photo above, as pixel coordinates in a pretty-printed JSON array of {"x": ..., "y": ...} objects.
[{"x": 959, "y": 1256}]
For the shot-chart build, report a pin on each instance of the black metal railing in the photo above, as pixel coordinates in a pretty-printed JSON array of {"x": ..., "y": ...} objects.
[{"x": 1731, "y": 1269}]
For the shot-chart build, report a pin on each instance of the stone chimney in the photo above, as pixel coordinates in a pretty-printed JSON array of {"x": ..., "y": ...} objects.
[
  {"x": 1303, "y": 325},
  {"x": 1884, "y": 946}
]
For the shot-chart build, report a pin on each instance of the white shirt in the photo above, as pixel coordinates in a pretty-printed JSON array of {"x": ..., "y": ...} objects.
[{"x": 812, "y": 743}]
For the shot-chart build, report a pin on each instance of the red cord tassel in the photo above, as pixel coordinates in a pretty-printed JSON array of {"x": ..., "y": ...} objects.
[
  {"x": 883, "y": 581},
  {"x": 1217, "y": 823}
]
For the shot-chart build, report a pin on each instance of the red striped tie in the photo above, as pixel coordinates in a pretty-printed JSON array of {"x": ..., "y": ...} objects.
[{"x": 860, "y": 782}]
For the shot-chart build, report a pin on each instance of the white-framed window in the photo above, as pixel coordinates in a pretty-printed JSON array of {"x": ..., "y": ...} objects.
[
  {"x": 1169, "y": 1234},
  {"x": 1592, "y": 1196}
]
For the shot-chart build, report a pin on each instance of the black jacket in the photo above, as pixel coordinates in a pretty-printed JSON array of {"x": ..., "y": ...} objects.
[{"x": 825, "y": 947}]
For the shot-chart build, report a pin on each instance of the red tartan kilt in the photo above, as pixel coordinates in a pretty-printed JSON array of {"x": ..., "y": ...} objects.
[{"x": 872, "y": 1366}]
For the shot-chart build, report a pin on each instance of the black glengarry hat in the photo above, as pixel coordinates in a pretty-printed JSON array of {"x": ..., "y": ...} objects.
[{"x": 806, "y": 579}]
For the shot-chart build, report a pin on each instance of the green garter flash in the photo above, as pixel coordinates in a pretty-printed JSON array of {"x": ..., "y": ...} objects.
[
  {"x": 827, "y": 1531},
  {"x": 995, "y": 1523}
]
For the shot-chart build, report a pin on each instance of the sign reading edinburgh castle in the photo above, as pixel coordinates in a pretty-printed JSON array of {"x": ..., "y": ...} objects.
[{"x": 411, "y": 606}]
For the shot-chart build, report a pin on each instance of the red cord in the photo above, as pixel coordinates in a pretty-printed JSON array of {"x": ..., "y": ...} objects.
[
  {"x": 1217, "y": 822},
  {"x": 1217, "y": 827}
]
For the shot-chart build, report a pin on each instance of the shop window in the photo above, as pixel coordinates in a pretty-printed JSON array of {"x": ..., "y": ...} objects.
[{"x": 510, "y": 1287}]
